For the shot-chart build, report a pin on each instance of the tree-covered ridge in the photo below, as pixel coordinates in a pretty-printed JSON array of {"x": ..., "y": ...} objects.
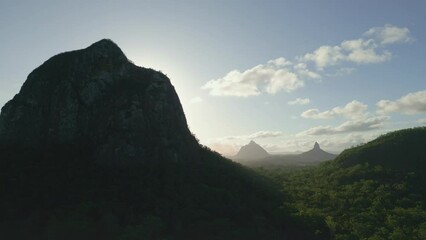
[
  {"x": 402, "y": 150},
  {"x": 361, "y": 194}
]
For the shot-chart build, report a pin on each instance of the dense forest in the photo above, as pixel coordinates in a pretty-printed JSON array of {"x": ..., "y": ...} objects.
[{"x": 372, "y": 191}]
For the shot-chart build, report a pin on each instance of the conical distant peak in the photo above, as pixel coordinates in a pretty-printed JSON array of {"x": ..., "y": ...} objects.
[
  {"x": 252, "y": 142},
  {"x": 316, "y": 146}
]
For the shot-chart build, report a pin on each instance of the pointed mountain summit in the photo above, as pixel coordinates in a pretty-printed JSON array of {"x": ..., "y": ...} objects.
[
  {"x": 251, "y": 151},
  {"x": 316, "y": 154},
  {"x": 316, "y": 146}
]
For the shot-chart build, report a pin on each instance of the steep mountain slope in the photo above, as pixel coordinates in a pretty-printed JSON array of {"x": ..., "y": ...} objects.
[
  {"x": 373, "y": 191},
  {"x": 251, "y": 151},
  {"x": 94, "y": 147}
]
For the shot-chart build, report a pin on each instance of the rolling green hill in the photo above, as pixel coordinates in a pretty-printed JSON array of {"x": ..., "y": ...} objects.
[{"x": 373, "y": 191}]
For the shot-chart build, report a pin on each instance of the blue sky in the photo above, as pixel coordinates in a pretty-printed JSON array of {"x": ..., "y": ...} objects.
[{"x": 284, "y": 73}]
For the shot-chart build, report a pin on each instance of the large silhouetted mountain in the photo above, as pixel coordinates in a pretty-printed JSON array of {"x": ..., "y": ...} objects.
[
  {"x": 95, "y": 101},
  {"x": 251, "y": 151},
  {"x": 95, "y": 147}
]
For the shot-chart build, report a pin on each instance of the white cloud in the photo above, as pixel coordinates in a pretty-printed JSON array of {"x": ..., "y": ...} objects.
[
  {"x": 282, "y": 79},
  {"x": 359, "y": 51},
  {"x": 256, "y": 135},
  {"x": 412, "y": 103},
  {"x": 359, "y": 125},
  {"x": 314, "y": 113},
  {"x": 364, "y": 51},
  {"x": 270, "y": 78},
  {"x": 353, "y": 110},
  {"x": 299, "y": 101},
  {"x": 227, "y": 149},
  {"x": 389, "y": 34},
  {"x": 230, "y": 145},
  {"x": 421, "y": 121},
  {"x": 304, "y": 72},
  {"x": 283, "y": 75},
  {"x": 342, "y": 72},
  {"x": 196, "y": 100},
  {"x": 325, "y": 56},
  {"x": 281, "y": 62}
]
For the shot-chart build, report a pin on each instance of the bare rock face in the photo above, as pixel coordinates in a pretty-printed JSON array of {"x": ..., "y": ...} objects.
[{"x": 95, "y": 102}]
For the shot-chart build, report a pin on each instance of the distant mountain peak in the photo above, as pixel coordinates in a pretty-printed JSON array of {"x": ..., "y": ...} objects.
[
  {"x": 316, "y": 146},
  {"x": 252, "y": 151},
  {"x": 317, "y": 154}
]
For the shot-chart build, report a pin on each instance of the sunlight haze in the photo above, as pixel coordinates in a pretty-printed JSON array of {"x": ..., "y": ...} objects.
[{"x": 284, "y": 73}]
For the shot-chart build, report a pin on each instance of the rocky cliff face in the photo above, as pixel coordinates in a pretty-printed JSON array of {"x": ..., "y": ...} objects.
[{"x": 96, "y": 102}]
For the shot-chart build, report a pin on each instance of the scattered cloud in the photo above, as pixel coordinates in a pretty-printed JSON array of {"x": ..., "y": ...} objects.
[
  {"x": 270, "y": 78},
  {"x": 365, "y": 50},
  {"x": 359, "y": 125},
  {"x": 353, "y": 110},
  {"x": 281, "y": 62},
  {"x": 299, "y": 101},
  {"x": 196, "y": 100},
  {"x": 225, "y": 148},
  {"x": 422, "y": 121},
  {"x": 303, "y": 71},
  {"x": 389, "y": 34},
  {"x": 359, "y": 51},
  {"x": 282, "y": 74},
  {"x": 230, "y": 145},
  {"x": 256, "y": 135},
  {"x": 324, "y": 56},
  {"x": 412, "y": 103},
  {"x": 344, "y": 71},
  {"x": 339, "y": 143}
]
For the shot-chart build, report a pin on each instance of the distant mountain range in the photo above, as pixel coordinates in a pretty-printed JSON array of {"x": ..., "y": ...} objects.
[{"x": 253, "y": 154}]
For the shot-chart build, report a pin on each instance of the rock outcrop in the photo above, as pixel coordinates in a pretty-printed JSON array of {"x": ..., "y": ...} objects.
[{"x": 96, "y": 102}]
